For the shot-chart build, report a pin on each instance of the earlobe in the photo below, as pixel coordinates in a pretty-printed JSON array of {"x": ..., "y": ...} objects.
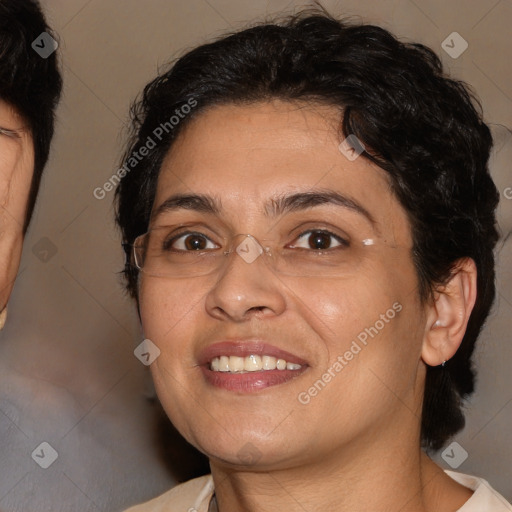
[{"x": 448, "y": 314}]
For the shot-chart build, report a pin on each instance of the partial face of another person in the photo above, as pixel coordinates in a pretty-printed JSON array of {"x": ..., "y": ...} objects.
[
  {"x": 357, "y": 327},
  {"x": 16, "y": 171}
]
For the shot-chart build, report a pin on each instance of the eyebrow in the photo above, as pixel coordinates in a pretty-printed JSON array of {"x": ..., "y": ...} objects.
[{"x": 274, "y": 207}]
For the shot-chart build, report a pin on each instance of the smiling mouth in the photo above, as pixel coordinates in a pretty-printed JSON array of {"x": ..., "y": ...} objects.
[
  {"x": 251, "y": 373},
  {"x": 251, "y": 363},
  {"x": 248, "y": 365}
]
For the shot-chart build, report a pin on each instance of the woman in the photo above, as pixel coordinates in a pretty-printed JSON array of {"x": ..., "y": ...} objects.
[{"x": 309, "y": 222}]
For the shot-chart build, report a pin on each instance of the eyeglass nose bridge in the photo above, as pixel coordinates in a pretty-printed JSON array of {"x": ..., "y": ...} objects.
[{"x": 249, "y": 249}]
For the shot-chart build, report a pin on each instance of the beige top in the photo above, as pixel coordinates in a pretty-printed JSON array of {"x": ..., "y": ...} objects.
[{"x": 196, "y": 495}]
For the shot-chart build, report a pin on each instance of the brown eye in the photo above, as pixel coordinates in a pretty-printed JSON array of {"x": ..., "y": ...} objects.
[
  {"x": 188, "y": 242},
  {"x": 320, "y": 240}
]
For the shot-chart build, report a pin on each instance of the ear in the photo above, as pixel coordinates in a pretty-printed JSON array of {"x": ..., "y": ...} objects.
[{"x": 448, "y": 315}]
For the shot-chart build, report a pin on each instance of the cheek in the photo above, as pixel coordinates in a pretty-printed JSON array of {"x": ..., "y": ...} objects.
[
  {"x": 375, "y": 314},
  {"x": 369, "y": 326},
  {"x": 16, "y": 172},
  {"x": 167, "y": 308},
  {"x": 387, "y": 333},
  {"x": 341, "y": 308},
  {"x": 15, "y": 182}
]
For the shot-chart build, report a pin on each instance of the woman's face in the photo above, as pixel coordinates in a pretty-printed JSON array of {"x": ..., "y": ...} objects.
[
  {"x": 356, "y": 334},
  {"x": 16, "y": 171}
]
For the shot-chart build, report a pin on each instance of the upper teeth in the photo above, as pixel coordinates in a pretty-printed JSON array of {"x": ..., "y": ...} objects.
[{"x": 250, "y": 363}]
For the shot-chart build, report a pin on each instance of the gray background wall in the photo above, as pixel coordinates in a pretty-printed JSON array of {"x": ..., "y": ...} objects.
[{"x": 68, "y": 373}]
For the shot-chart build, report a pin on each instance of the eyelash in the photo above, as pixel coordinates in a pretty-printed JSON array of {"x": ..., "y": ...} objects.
[{"x": 342, "y": 241}]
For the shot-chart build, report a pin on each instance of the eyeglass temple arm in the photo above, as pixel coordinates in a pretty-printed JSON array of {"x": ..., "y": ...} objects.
[{"x": 9, "y": 133}]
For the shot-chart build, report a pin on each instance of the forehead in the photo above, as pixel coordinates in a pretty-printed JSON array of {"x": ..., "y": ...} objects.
[
  {"x": 276, "y": 131},
  {"x": 246, "y": 154}
]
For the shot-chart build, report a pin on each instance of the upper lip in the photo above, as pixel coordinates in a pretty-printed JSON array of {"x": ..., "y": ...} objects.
[{"x": 244, "y": 348}]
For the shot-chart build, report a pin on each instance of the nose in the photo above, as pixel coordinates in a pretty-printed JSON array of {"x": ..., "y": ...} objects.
[{"x": 247, "y": 286}]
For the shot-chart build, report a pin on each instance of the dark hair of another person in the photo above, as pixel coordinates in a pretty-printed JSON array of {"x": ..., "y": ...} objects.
[
  {"x": 28, "y": 82},
  {"x": 421, "y": 127}
]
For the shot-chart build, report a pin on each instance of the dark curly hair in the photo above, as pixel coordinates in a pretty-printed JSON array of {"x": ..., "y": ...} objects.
[
  {"x": 423, "y": 128},
  {"x": 28, "y": 82}
]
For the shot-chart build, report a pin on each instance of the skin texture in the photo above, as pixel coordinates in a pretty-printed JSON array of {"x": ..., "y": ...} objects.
[
  {"x": 359, "y": 436},
  {"x": 16, "y": 171}
]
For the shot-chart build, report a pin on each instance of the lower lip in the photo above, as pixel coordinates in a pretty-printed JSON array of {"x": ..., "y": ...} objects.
[{"x": 250, "y": 381}]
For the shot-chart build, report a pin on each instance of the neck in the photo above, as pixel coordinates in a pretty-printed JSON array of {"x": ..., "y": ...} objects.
[{"x": 361, "y": 478}]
